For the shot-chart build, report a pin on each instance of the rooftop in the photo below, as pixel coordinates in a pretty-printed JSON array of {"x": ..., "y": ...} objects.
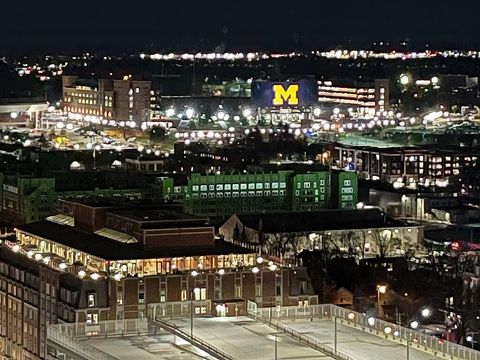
[
  {"x": 319, "y": 221},
  {"x": 109, "y": 249}
]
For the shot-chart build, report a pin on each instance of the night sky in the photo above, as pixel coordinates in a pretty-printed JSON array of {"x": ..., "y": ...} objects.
[{"x": 130, "y": 25}]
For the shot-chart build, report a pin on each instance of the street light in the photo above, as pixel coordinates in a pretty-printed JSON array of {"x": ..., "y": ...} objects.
[
  {"x": 414, "y": 324},
  {"x": 426, "y": 312},
  {"x": 381, "y": 290},
  {"x": 471, "y": 338},
  {"x": 404, "y": 79},
  {"x": 193, "y": 291},
  {"x": 371, "y": 321}
]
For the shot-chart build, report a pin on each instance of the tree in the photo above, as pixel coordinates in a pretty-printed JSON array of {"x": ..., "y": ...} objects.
[{"x": 385, "y": 242}]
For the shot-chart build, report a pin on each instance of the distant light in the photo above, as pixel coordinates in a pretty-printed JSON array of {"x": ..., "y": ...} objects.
[
  {"x": 16, "y": 248},
  {"x": 273, "y": 267},
  {"x": 38, "y": 257},
  {"x": 194, "y": 273},
  {"x": 82, "y": 273},
  {"x": 404, "y": 79},
  {"x": 259, "y": 260},
  {"x": 435, "y": 80},
  {"x": 426, "y": 312},
  {"x": 117, "y": 276},
  {"x": 247, "y": 112},
  {"x": 13, "y": 115},
  {"x": 336, "y": 111},
  {"x": 190, "y": 113},
  {"x": 221, "y": 272},
  {"x": 387, "y": 330},
  {"x": 317, "y": 112},
  {"x": 255, "y": 270},
  {"x": 414, "y": 324},
  {"x": 351, "y": 316},
  {"x": 371, "y": 321},
  {"x": 62, "y": 266}
]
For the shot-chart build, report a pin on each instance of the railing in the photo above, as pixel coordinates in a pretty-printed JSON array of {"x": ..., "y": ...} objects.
[
  {"x": 104, "y": 328},
  {"x": 363, "y": 322},
  {"x": 177, "y": 309},
  {"x": 276, "y": 324},
  {"x": 83, "y": 350},
  {"x": 196, "y": 341}
]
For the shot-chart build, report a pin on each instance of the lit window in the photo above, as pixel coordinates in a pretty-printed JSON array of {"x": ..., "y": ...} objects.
[{"x": 91, "y": 300}]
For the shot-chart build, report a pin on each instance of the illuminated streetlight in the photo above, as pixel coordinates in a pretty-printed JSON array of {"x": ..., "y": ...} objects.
[
  {"x": 95, "y": 276},
  {"x": 190, "y": 113},
  {"x": 404, "y": 79},
  {"x": 371, "y": 321},
  {"x": 414, "y": 324},
  {"x": 426, "y": 312},
  {"x": 247, "y": 112},
  {"x": 170, "y": 112}
]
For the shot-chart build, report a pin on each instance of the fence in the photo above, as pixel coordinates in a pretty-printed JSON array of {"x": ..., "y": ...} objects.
[
  {"x": 276, "y": 324},
  {"x": 81, "y": 349},
  {"x": 196, "y": 341},
  {"x": 104, "y": 328},
  {"x": 177, "y": 309},
  {"x": 363, "y": 322}
]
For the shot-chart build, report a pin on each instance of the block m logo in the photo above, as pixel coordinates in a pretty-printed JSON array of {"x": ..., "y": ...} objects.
[{"x": 285, "y": 96}]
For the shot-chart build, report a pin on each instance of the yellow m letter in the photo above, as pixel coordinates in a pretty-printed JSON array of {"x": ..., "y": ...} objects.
[{"x": 288, "y": 95}]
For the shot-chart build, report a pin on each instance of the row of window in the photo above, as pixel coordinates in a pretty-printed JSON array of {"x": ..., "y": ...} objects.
[
  {"x": 243, "y": 186},
  {"x": 237, "y": 194}
]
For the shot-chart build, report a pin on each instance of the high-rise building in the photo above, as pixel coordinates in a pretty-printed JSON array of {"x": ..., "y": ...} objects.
[{"x": 119, "y": 100}]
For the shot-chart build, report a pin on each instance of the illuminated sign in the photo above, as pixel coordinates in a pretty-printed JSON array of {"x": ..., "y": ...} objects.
[{"x": 284, "y": 94}]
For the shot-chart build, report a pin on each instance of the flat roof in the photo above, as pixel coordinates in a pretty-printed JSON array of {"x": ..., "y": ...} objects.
[
  {"x": 319, "y": 220},
  {"x": 109, "y": 249}
]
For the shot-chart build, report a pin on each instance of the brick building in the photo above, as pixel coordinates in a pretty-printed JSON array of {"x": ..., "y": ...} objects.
[
  {"x": 119, "y": 100},
  {"x": 111, "y": 260}
]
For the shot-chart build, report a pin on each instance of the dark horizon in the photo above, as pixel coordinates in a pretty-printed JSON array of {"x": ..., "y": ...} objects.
[{"x": 123, "y": 26}]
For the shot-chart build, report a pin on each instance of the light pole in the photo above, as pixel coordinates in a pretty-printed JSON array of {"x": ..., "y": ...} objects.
[
  {"x": 471, "y": 338},
  {"x": 381, "y": 290},
  {"x": 335, "y": 333},
  {"x": 276, "y": 348},
  {"x": 192, "y": 293}
]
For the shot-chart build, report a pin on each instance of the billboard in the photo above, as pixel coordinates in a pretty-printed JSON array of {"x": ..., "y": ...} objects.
[{"x": 284, "y": 94}]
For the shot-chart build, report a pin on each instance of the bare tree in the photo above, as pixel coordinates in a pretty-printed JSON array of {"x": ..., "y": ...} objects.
[{"x": 386, "y": 241}]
